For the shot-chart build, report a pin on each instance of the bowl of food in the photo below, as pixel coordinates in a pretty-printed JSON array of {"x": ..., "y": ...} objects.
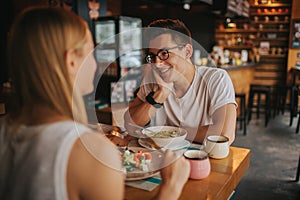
[{"x": 165, "y": 136}]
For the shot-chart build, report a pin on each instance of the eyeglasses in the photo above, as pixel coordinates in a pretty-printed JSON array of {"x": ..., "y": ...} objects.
[{"x": 162, "y": 54}]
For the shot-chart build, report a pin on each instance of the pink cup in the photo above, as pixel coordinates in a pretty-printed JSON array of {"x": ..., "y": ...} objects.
[{"x": 199, "y": 162}]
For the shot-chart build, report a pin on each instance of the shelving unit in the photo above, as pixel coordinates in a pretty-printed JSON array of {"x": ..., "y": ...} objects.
[
  {"x": 272, "y": 23},
  {"x": 265, "y": 34}
]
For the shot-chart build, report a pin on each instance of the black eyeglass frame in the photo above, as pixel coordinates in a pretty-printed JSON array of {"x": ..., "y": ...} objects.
[{"x": 150, "y": 57}]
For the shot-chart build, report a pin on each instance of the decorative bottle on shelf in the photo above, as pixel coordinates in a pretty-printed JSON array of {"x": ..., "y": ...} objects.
[{"x": 239, "y": 40}]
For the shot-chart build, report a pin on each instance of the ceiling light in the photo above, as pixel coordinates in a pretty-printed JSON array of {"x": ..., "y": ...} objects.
[{"x": 186, "y": 6}]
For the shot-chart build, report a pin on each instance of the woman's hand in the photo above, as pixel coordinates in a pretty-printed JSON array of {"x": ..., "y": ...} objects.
[{"x": 174, "y": 175}]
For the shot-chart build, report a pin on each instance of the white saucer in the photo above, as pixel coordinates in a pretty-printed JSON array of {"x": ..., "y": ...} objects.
[{"x": 183, "y": 144}]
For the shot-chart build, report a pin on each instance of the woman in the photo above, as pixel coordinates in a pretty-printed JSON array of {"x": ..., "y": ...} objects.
[{"x": 46, "y": 151}]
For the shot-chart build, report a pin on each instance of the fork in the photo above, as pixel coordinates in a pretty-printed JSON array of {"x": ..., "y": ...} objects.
[{"x": 153, "y": 144}]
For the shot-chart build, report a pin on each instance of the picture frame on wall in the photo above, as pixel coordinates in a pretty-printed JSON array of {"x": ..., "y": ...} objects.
[{"x": 295, "y": 41}]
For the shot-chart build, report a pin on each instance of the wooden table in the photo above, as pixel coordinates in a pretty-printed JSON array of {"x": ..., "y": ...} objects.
[{"x": 223, "y": 179}]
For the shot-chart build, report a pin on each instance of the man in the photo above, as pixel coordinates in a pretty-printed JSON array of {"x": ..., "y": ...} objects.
[{"x": 175, "y": 92}]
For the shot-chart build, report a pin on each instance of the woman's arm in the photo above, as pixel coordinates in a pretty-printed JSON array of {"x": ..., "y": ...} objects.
[
  {"x": 94, "y": 169},
  {"x": 99, "y": 176},
  {"x": 174, "y": 176}
]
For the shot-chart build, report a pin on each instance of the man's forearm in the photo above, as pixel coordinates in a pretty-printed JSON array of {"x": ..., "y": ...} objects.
[{"x": 140, "y": 113}]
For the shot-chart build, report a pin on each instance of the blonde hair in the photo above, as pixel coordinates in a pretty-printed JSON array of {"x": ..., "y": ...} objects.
[{"x": 38, "y": 42}]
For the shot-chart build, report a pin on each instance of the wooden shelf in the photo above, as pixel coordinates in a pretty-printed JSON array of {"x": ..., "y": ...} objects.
[
  {"x": 270, "y": 22},
  {"x": 273, "y": 30},
  {"x": 273, "y": 56},
  {"x": 273, "y": 5},
  {"x": 252, "y": 31},
  {"x": 237, "y": 47},
  {"x": 235, "y": 31},
  {"x": 268, "y": 13},
  {"x": 274, "y": 66},
  {"x": 273, "y": 39}
]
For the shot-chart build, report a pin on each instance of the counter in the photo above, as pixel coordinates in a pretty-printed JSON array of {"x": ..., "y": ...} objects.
[{"x": 242, "y": 76}]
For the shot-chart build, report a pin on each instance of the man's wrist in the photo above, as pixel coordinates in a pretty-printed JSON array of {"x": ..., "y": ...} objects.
[{"x": 151, "y": 100}]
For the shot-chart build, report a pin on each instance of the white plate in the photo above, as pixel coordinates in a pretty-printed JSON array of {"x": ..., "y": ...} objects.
[
  {"x": 139, "y": 176},
  {"x": 183, "y": 144}
]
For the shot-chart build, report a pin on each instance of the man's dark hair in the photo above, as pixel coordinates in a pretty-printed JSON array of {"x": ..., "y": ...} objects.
[{"x": 178, "y": 30}]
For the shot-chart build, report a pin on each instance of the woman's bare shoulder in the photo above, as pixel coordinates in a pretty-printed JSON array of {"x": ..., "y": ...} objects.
[
  {"x": 99, "y": 147},
  {"x": 94, "y": 163}
]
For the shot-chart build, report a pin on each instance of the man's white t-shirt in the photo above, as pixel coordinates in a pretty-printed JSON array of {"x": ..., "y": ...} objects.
[{"x": 211, "y": 89}]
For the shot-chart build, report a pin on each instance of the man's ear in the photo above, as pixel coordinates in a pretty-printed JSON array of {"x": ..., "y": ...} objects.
[
  {"x": 189, "y": 50},
  {"x": 70, "y": 61}
]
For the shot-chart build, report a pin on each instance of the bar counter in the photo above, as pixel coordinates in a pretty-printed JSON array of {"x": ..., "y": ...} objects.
[{"x": 242, "y": 76}]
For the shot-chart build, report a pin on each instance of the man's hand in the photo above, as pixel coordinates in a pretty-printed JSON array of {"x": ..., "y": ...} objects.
[{"x": 164, "y": 89}]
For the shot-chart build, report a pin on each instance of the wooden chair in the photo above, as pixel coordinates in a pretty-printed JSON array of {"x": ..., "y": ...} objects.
[
  {"x": 298, "y": 170},
  {"x": 280, "y": 95},
  {"x": 294, "y": 106},
  {"x": 265, "y": 104},
  {"x": 242, "y": 115}
]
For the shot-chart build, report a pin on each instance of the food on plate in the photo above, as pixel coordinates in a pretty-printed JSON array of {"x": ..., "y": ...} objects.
[
  {"x": 117, "y": 132},
  {"x": 133, "y": 161},
  {"x": 118, "y": 141},
  {"x": 167, "y": 134}
]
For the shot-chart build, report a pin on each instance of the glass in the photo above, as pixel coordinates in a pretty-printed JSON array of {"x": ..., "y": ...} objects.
[{"x": 162, "y": 54}]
